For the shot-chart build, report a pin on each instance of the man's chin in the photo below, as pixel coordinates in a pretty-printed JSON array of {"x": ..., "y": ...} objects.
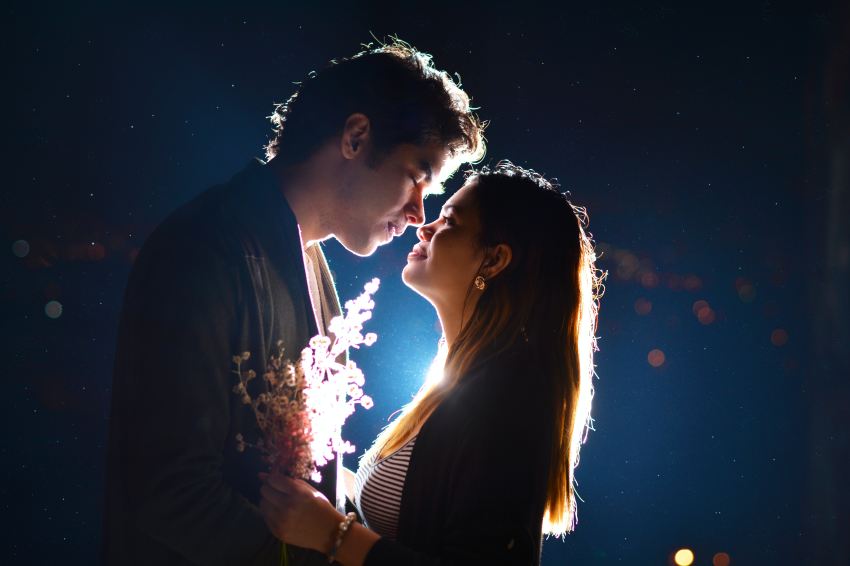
[{"x": 360, "y": 250}]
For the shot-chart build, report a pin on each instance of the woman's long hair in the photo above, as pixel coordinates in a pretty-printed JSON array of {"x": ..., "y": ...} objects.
[{"x": 547, "y": 296}]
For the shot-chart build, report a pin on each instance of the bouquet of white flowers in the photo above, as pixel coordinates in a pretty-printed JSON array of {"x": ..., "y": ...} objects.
[{"x": 306, "y": 402}]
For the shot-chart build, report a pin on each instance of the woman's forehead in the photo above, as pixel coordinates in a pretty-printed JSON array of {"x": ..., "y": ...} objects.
[{"x": 463, "y": 197}]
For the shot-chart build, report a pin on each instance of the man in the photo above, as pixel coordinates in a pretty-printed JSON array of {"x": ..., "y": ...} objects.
[{"x": 239, "y": 268}]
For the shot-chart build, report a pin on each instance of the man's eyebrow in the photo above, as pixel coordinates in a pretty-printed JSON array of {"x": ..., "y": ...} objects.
[
  {"x": 436, "y": 188},
  {"x": 425, "y": 167}
]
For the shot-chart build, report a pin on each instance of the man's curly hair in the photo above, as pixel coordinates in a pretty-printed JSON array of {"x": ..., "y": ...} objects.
[{"x": 406, "y": 99}]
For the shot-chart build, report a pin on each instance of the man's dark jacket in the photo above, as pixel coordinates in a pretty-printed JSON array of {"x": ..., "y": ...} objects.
[{"x": 222, "y": 275}]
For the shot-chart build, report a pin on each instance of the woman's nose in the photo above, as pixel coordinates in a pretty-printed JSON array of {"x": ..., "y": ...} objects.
[{"x": 425, "y": 232}]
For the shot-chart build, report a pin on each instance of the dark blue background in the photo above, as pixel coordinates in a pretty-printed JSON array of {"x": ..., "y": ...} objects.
[{"x": 684, "y": 131}]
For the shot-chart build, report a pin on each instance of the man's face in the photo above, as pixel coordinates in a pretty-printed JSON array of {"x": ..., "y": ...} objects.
[{"x": 377, "y": 202}]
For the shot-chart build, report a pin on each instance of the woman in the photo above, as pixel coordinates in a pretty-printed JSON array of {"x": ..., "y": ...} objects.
[{"x": 480, "y": 464}]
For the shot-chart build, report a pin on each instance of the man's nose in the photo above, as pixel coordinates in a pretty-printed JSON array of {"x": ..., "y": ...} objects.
[{"x": 414, "y": 212}]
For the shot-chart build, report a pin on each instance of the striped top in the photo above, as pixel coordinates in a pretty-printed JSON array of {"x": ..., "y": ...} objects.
[{"x": 378, "y": 487}]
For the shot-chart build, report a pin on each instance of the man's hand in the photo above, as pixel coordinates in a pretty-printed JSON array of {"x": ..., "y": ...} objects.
[{"x": 298, "y": 514}]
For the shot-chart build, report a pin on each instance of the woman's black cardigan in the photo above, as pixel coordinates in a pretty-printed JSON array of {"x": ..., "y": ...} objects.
[{"x": 475, "y": 490}]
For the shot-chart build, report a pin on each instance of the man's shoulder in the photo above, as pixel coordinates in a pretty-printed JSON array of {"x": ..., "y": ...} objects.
[
  {"x": 207, "y": 210},
  {"x": 218, "y": 220}
]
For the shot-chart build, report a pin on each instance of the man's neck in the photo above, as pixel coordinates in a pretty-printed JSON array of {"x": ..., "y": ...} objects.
[{"x": 306, "y": 194}]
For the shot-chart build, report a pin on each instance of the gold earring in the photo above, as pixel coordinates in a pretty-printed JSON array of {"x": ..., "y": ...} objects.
[{"x": 480, "y": 283}]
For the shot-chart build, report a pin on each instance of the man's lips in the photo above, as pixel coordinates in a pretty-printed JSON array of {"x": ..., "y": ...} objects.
[{"x": 394, "y": 230}]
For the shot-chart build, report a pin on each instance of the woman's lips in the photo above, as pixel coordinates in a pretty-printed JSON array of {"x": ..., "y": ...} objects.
[{"x": 417, "y": 253}]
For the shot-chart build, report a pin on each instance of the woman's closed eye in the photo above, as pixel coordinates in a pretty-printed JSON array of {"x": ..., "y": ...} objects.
[{"x": 448, "y": 221}]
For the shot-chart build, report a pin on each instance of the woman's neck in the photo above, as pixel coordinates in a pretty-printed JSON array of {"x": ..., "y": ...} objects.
[{"x": 454, "y": 315}]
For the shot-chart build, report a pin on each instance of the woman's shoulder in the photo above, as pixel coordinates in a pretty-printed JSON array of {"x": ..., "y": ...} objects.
[
  {"x": 503, "y": 372},
  {"x": 506, "y": 387}
]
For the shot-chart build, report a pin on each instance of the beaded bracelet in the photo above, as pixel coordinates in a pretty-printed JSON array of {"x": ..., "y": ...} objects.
[{"x": 340, "y": 534}]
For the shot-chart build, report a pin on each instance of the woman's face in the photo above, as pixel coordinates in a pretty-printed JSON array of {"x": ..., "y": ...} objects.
[{"x": 443, "y": 265}]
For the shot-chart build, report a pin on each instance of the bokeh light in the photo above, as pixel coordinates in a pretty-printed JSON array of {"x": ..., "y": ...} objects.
[
  {"x": 21, "y": 248},
  {"x": 746, "y": 289},
  {"x": 692, "y": 283},
  {"x": 627, "y": 264},
  {"x": 779, "y": 337},
  {"x": 649, "y": 280},
  {"x": 683, "y": 557},
  {"x": 721, "y": 559},
  {"x": 703, "y": 311},
  {"x": 706, "y": 316},
  {"x": 53, "y": 309},
  {"x": 656, "y": 358},
  {"x": 643, "y": 306}
]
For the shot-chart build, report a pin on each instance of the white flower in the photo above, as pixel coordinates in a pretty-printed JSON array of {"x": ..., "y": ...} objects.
[
  {"x": 333, "y": 389},
  {"x": 309, "y": 401}
]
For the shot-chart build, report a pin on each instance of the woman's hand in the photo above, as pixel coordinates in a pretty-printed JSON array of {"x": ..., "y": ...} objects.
[{"x": 298, "y": 514}]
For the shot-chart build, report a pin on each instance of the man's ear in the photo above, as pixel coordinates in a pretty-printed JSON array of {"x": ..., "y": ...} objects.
[
  {"x": 496, "y": 260},
  {"x": 355, "y": 135}
]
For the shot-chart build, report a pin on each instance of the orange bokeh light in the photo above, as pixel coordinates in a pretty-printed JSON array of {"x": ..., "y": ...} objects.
[
  {"x": 704, "y": 313},
  {"x": 779, "y": 337},
  {"x": 649, "y": 279},
  {"x": 693, "y": 283},
  {"x": 656, "y": 358},
  {"x": 746, "y": 289},
  {"x": 706, "y": 316},
  {"x": 643, "y": 306},
  {"x": 721, "y": 559},
  {"x": 699, "y": 305}
]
